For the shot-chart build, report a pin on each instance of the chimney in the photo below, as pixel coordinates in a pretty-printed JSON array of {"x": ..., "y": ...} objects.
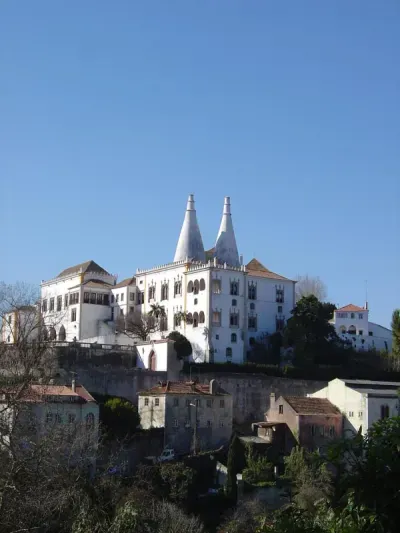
[
  {"x": 213, "y": 386},
  {"x": 272, "y": 399},
  {"x": 73, "y": 385}
]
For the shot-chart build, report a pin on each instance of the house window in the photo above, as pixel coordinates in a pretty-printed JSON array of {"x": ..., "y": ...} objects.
[
  {"x": 234, "y": 288},
  {"x": 117, "y": 297},
  {"x": 360, "y": 332},
  {"x": 187, "y": 423},
  {"x": 201, "y": 317},
  {"x": 71, "y": 418},
  {"x": 65, "y": 301},
  {"x": 146, "y": 402},
  {"x": 252, "y": 306},
  {"x": 62, "y": 334},
  {"x": 176, "y": 423},
  {"x": 177, "y": 320},
  {"x": 106, "y": 299},
  {"x": 209, "y": 423},
  {"x": 252, "y": 341},
  {"x": 280, "y": 309},
  {"x": 234, "y": 320},
  {"x": 351, "y": 414},
  {"x": 59, "y": 303},
  {"x": 217, "y": 337},
  {"x": 221, "y": 423},
  {"x": 331, "y": 431},
  {"x": 93, "y": 298},
  {"x": 195, "y": 320},
  {"x": 89, "y": 420},
  {"x": 281, "y": 409},
  {"x": 352, "y": 315},
  {"x": 190, "y": 286},
  {"x": 140, "y": 298},
  {"x": 187, "y": 403},
  {"x": 279, "y": 295},
  {"x": 280, "y": 324},
  {"x": 74, "y": 298},
  {"x": 216, "y": 318},
  {"x": 216, "y": 286},
  {"x": 176, "y": 402},
  {"x": 360, "y": 316},
  {"x": 252, "y": 291},
  {"x": 152, "y": 293},
  {"x": 196, "y": 301},
  {"x": 209, "y": 403},
  {"x": 233, "y": 337},
  {"x": 157, "y": 402},
  {"x": 196, "y": 287},
  {"x": 321, "y": 431},
  {"x": 121, "y": 312},
  {"x": 222, "y": 404},
  {"x": 122, "y": 296},
  {"x": 202, "y": 284},
  {"x": 198, "y": 403},
  {"x": 163, "y": 323},
  {"x": 164, "y": 291},
  {"x": 58, "y": 418},
  {"x": 384, "y": 411},
  {"x": 360, "y": 414},
  {"x": 85, "y": 297},
  {"x": 73, "y": 315},
  {"x": 99, "y": 299},
  {"x": 252, "y": 323},
  {"x": 132, "y": 296},
  {"x": 177, "y": 288},
  {"x": 131, "y": 309},
  {"x": 229, "y": 352},
  {"x": 51, "y": 307},
  {"x": 352, "y": 330},
  {"x": 370, "y": 333},
  {"x": 234, "y": 303},
  {"x": 49, "y": 418},
  {"x": 112, "y": 298}
]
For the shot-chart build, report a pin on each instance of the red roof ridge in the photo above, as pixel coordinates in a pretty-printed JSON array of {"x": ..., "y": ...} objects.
[{"x": 351, "y": 307}]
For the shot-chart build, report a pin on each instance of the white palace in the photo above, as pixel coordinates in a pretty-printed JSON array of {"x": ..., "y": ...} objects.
[{"x": 228, "y": 304}]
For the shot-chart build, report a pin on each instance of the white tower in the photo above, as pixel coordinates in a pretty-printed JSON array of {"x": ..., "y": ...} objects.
[
  {"x": 190, "y": 243},
  {"x": 225, "y": 247}
]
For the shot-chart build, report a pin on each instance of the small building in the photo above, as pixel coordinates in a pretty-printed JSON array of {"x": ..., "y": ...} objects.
[
  {"x": 21, "y": 324},
  {"x": 362, "y": 402},
  {"x": 309, "y": 422},
  {"x": 194, "y": 416}
]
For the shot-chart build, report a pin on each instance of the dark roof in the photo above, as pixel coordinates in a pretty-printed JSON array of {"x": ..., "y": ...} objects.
[
  {"x": 311, "y": 406},
  {"x": 210, "y": 254},
  {"x": 94, "y": 283},
  {"x": 181, "y": 387},
  {"x": 255, "y": 268},
  {"x": 125, "y": 282},
  {"x": 360, "y": 383},
  {"x": 87, "y": 266}
]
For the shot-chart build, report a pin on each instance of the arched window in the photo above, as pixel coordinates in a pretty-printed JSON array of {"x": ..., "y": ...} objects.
[
  {"x": 196, "y": 287},
  {"x": 343, "y": 329},
  {"x": 233, "y": 337},
  {"x": 52, "y": 334},
  {"x": 190, "y": 286},
  {"x": 195, "y": 320},
  {"x": 152, "y": 360},
  {"x": 352, "y": 330},
  {"x": 189, "y": 318},
  {"x": 384, "y": 411},
  {"x": 61, "y": 334},
  {"x": 229, "y": 352},
  {"x": 152, "y": 292},
  {"x": 252, "y": 306},
  {"x": 164, "y": 291},
  {"x": 89, "y": 420},
  {"x": 202, "y": 284},
  {"x": 45, "y": 334},
  {"x": 234, "y": 302},
  {"x": 177, "y": 288},
  {"x": 177, "y": 319},
  {"x": 201, "y": 317}
]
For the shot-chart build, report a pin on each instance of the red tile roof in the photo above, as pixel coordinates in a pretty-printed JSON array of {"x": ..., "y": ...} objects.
[
  {"x": 125, "y": 282},
  {"x": 257, "y": 269},
  {"x": 87, "y": 266},
  {"x": 39, "y": 392},
  {"x": 181, "y": 387},
  {"x": 351, "y": 307},
  {"x": 311, "y": 406}
]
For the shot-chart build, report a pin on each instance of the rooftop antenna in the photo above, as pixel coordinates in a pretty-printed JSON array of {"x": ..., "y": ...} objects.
[{"x": 366, "y": 295}]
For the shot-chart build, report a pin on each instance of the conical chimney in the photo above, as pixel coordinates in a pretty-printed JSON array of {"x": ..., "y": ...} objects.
[
  {"x": 190, "y": 243},
  {"x": 225, "y": 247}
]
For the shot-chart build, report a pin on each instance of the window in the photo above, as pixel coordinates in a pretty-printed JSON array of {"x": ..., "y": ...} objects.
[
  {"x": 279, "y": 295},
  {"x": 112, "y": 298},
  {"x": 89, "y": 420},
  {"x": 71, "y": 418},
  {"x": 216, "y": 318},
  {"x": 216, "y": 286},
  {"x": 157, "y": 402},
  {"x": 281, "y": 409},
  {"x": 106, "y": 299},
  {"x": 360, "y": 332},
  {"x": 122, "y": 296},
  {"x": 360, "y": 316},
  {"x": 252, "y": 306},
  {"x": 198, "y": 403},
  {"x": 176, "y": 402},
  {"x": 74, "y": 298},
  {"x": 234, "y": 303},
  {"x": 190, "y": 286},
  {"x": 312, "y": 430},
  {"x": 121, "y": 312},
  {"x": 51, "y": 304},
  {"x": 152, "y": 293},
  {"x": 44, "y": 306},
  {"x": 217, "y": 337},
  {"x": 187, "y": 423},
  {"x": 49, "y": 418},
  {"x": 177, "y": 320},
  {"x": 229, "y": 352},
  {"x": 331, "y": 431},
  {"x": 352, "y": 330},
  {"x": 187, "y": 403},
  {"x": 252, "y": 323},
  {"x": 234, "y": 288},
  {"x": 132, "y": 296},
  {"x": 209, "y": 403},
  {"x": 222, "y": 404},
  {"x": 140, "y": 298},
  {"x": 360, "y": 414},
  {"x": 176, "y": 423},
  {"x": 131, "y": 309},
  {"x": 351, "y": 414},
  {"x": 85, "y": 297},
  {"x": 252, "y": 341},
  {"x": 92, "y": 297},
  {"x": 58, "y": 418},
  {"x": 65, "y": 301},
  {"x": 233, "y": 337},
  {"x": 280, "y": 323},
  {"x": 280, "y": 309},
  {"x": 196, "y": 287},
  {"x": 73, "y": 315},
  {"x": 352, "y": 315},
  {"x": 164, "y": 291},
  {"x": 62, "y": 334},
  {"x": 252, "y": 291},
  {"x": 196, "y": 301},
  {"x": 195, "y": 320},
  {"x": 99, "y": 299},
  {"x": 321, "y": 431},
  {"x": 221, "y": 423},
  {"x": 384, "y": 411},
  {"x": 177, "y": 288},
  {"x": 202, "y": 284},
  {"x": 209, "y": 423},
  {"x": 59, "y": 303},
  {"x": 370, "y": 333},
  {"x": 163, "y": 323},
  {"x": 146, "y": 402},
  {"x": 234, "y": 320},
  {"x": 201, "y": 317},
  {"x": 52, "y": 334}
]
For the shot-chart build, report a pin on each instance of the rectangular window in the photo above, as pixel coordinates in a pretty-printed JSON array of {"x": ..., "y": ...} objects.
[
  {"x": 112, "y": 298},
  {"x": 65, "y": 301},
  {"x": 99, "y": 299},
  {"x": 360, "y": 414},
  {"x": 187, "y": 423},
  {"x": 51, "y": 304},
  {"x": 131, "y": 309},
  {"x": 59, "y": 303},
  {"x": 234, "y": 288},
  {"x": 106, "y": 299},
  {"x": 331, "y": 431},
  {"x": 122, "y": 296},
  {"x": 252, "y": 291},
  {"x": 221, "y": 423},
  {"x": 146, "y": 402},
  {"x": 370, "y": 333},
  {"x": 117, "y": 297},
  {"x": 216, "y": 318},
  {"x": 281, "y": 409},
  {"x": 44, "y": 306},
  {"x": 209, "y": 403},
  {"x": 279, "y": 296},
  {"x": 360, "y": 332},
  {"x": 252, "y": 323},
  {"x": 216, "y": 286},
  {"x": 360, "y": 316},
  {"x": 209, "y": 424},
  {"x": 74, "y": 298},
  {"x": 176, "y": 423},
  {"x": 157, "y": 402},
  {"x": 187, "y": 403},
  {"x": 71, "y": 418},
  {"x": 58, "y": 418},
  {"x": 73, "y": 315},
  {"x": 280, "y": 309},
  {"x": 176, "y": 402},
  {"x": 198, "y": 403},
  {"x": 49, "y": 418},
  {"x": 234, "y": 320},
  {"x": 92, "y": 297},
  {"x": 132, "y": 296},
  {"x": 86, "y": 297},
  {"x": 222, "y": 403},
  {"x": 351, "y": 414}
]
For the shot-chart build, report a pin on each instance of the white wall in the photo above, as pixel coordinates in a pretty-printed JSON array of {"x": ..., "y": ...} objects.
[{"x": 151, "y": 415}]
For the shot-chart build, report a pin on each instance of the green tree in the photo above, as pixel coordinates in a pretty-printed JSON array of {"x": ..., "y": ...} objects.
[
  {"x": 396, "y": 334},
  {"x": 157, "y": 311},
  {"x": 178, "y": 480},
  {"x": 233, "y": 468},
  {"x": 119, "y": 417},
  {"x": 182, "y": 346}
]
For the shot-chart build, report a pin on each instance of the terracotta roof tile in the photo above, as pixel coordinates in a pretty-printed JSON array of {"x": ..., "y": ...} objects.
[
  {"x": 311, "y": 406},
  {"x": 351, "y": 307},
  {"x": 39, "y": 392},
  {"x": 87, "y": 266},
  {"x": 125, "y": 282},
  {"x": 257, "y": 269},
  {"x": 181, "y": 387},
  {"x": 94, "y": 283}
]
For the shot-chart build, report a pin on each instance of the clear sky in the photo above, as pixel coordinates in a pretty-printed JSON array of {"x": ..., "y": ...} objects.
[{"x": 112, "y": 112}]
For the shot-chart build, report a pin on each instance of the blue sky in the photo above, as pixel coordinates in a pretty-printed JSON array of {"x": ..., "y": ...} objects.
[{"x": 111, "y": 113}]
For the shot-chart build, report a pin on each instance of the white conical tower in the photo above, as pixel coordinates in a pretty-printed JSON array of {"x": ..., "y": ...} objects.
[
  {"x": 225, "y": 247},
  {"x": 190, "y": 243}
]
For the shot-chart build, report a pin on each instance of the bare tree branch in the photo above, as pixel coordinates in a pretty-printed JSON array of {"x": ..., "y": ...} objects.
[{"x": 310, "y": 286}]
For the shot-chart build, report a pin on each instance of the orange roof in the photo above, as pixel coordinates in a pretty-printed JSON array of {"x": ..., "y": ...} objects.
[
  {"x": 181, "y": 387},
  {"x": 311, "y": 406},
  {"x": 351, "y": 307},
  {"x": 39, "y": 392},
  {"x": 125, "y": 283},
  {"x": 255, "y": 268}
]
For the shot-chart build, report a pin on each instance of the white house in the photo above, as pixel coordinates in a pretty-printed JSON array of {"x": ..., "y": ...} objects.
[
  {"x": 20, "y": 324},
  {"x": 352, "y": 324},
  {"x": 362, "y": 402}
]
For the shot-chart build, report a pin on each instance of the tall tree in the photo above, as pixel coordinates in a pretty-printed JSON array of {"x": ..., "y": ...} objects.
[
  {"x": 396, "y": 334},
  {"x": 137, "y": 325},
  {"x": 310, "y": 286},
  {"x": 233, "y": 467}
]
